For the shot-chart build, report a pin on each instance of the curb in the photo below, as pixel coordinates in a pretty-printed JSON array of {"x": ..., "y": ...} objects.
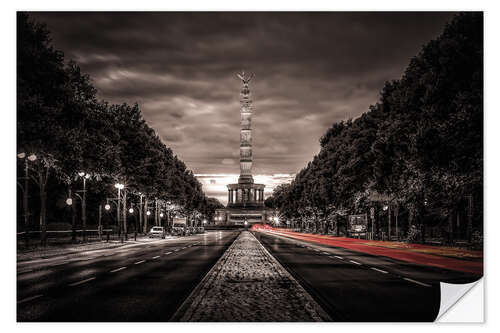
[
  {"x": 316, "y": 307},
  {"x": 211, "y": 274}
]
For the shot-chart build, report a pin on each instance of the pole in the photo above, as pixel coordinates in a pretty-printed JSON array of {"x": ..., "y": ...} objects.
[
  {"x": 25, "y": 202},
  {"x": 135, "y": 227},
  {"x": 156, "y": 212},
  {"x": 99, "y": 228},
  {"x": 145, "y": 226},
  {"x": 389, "y": 212},
  {"x": 372, "y": 217},
  {"x": 140, "y": 212},
  {"x": 84, "y": 213},
  {"x": 73, "y": 217},
  {"x": 396, "y": 213},
  {"x": 124, "y": 214},
  {"x": 118, "y": 216}
]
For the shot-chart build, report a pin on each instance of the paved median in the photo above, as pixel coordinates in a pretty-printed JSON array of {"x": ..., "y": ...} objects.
[{"x": 248, "y": 284}]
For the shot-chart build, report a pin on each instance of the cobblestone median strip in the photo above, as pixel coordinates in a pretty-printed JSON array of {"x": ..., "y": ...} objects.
[{"x": 248, "y": 284}]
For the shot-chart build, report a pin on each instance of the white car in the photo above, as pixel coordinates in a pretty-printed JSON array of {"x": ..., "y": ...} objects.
[{"x": 157, "y": 232}]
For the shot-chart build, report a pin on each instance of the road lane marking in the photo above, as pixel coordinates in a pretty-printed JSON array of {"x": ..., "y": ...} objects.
[
  {"x": 139, "y": 262},
  {"x": 379, "y": 270},
  {"x": 417, "y": 282},
  {"x": 118, "y": 269},
  {"x": 167, "y": 253},
  {"x": 25, "y": 271},
  {"x": 60, "y": 264},
  {"x": 326, "y": 253},
  {"x": 339, "y": 257},
  {"x": 156, "y": 257},
  {"x": 29, "y": 299},
  {"x": 176, "y": 250},
  {"x": 355, "y": 262},
  {"x": 81, "y": 282}
]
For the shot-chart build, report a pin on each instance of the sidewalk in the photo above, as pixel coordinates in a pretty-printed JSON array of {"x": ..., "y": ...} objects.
[
  {"x": 457, "y": 259},
  {"x": 248, "y": 285}
]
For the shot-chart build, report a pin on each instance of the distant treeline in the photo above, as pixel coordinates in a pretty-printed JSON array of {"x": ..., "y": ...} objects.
[
  {"x": 420, "y": 148},
  {"x": 61, "y": 121}
]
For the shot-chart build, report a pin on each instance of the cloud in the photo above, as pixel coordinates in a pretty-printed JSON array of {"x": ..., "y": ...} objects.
[{"x": 311, "y": 70}]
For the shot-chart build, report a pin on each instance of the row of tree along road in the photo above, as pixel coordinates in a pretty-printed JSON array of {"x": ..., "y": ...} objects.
[
  {"x": 84, "y": 160},
  {"x": 416, "y": 157}
]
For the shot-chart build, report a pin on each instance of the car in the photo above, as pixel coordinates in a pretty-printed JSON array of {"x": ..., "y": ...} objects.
[{"x": 157, "y": 232}]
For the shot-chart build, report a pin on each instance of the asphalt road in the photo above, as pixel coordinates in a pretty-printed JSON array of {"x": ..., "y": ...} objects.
[
  {"x": 145, "y": 282},
  {"x": 353, "y": 286}
]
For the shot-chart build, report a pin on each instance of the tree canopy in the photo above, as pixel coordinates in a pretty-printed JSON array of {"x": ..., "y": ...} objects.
[
  {"x": 61, "y": 120},
  {"x": 420, "y": 145}
]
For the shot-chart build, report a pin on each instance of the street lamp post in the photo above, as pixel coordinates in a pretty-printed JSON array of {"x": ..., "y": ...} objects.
[
  {"x": 99, "y": 226},
  {"x": 372, "y": 217},
  {"x": 85, "y": 176},
  {"x": 385, "y": 208},
  {"x": 140, "y": 211},
  {"x": 119, "y": 187}
]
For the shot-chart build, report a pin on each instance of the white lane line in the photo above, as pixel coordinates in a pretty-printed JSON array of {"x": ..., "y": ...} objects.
[
  {"x": 379, "y": 270},
  {"x": 156, "y": 257},
  {"x": 167, "y": 253},
  {"x": 80, "y": 282},
  {"x": 60, "y": 264},
  {"x": 338, "y": 257},
  {"x": 176, "y": 250},
  {"x": 326, "y": 253},
  {"x": 417, "y": 282},
  {"x": 118, "y": 269},
  {"x": 355, "y": 262},
  {"x": 26, "y": 271},
  {"x": 139, "y": 262},
  {"x": 29, "y": 299}
]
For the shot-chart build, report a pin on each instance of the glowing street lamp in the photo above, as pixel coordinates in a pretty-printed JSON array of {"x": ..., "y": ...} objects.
[
  {"x": 161, "y": 214},
  {"x": 131, "y": 210},
  {"x": 69, "y": 201},
  {"x": 107, "y": 206},
  {"x": 148, "y": 213}
]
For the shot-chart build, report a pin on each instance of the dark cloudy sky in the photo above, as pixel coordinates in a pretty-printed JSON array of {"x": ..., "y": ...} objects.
[{"x": 311, "y": 69}]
